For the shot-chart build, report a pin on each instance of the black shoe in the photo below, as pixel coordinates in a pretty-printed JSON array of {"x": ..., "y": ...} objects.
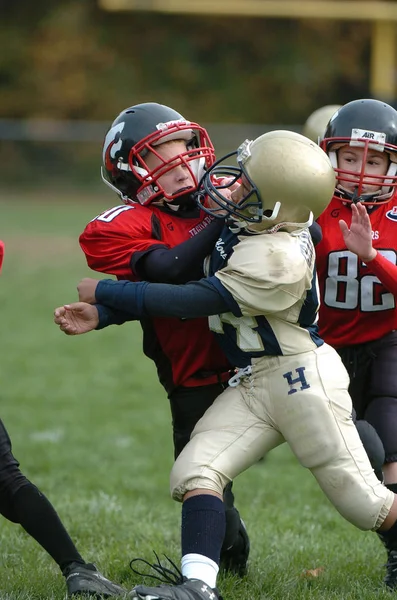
[
  {"x": 177, "y": 587},
  {"x": 235, "y": 558},
  {"x": 86, "y": 579},
  {"x": 188, "y": 589},
  {"x": 391, "y": 570}
]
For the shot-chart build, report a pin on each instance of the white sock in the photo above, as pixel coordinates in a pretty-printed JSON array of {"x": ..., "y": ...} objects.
[{"x": 198, "y": 566}]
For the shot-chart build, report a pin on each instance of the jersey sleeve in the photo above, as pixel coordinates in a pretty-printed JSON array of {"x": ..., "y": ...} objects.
[
  {"x": 385, "y": 271},
  {"x": 142, "y": 299},
  {"x": 110, "y": 241}
]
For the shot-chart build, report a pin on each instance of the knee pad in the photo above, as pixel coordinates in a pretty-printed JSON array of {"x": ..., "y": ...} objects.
[
  {"x": 232, "y": 527},
  {"x": 381, "y": 413},
  {"x": 373, "y": 446}
]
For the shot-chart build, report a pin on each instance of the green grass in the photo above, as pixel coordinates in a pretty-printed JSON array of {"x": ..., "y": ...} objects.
[{"x": 90, "y": 425}]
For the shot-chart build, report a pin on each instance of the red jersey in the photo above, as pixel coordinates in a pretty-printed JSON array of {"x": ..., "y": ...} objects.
[
  {"x": 355, "y": 306},
  {"x": 185, "y": 351},
  {"x": 1, "y": 254}
]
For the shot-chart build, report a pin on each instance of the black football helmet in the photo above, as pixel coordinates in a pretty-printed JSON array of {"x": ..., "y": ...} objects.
[
  {"x": 138, "y": 130},
  {"x": 372, "y": 125}
]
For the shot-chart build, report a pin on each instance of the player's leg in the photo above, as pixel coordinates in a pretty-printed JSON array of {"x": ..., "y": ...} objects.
[
  {"x": 381, "y": 412},
  {"x": 372, "y": 445},
  {"x": 188, "y": 405},
  {"x": 226, "y": 441},
  {"x": 22, "y": 502},
  {"x": 326, "y": 440},
  {"x": 313, "y": 411},
  {"x": 358, "y": 362}
]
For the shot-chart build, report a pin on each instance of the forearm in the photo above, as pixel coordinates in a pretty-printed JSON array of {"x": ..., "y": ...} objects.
[
  {"x": 196, "y": 299},
  {"x": 110, "y": 316},
  {"x": 385, "y": 271},
  {"x": 182, "y": 263}
]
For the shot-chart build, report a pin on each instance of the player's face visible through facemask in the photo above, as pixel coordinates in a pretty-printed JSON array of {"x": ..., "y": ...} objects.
[
  {"x": 178, "y": 178},
  {"x": 361, "y": 165}
]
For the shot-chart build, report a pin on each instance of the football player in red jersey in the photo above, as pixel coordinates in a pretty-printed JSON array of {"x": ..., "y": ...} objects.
[
  {"x": 261, "y": 295},
  {"x": 358, "y": 314},
  {"x": 314, "y": 128},
  {"x": 22, "y": 502},
  {"x": 153, "y": 159}
]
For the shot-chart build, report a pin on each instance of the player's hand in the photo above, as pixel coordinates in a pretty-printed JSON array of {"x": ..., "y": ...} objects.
[
  {"x": 225, "y": 191},
  {"x": 86, "y": 289},
  {"x": 76, "y": 318},
  {"x": 358, "y": 238}
]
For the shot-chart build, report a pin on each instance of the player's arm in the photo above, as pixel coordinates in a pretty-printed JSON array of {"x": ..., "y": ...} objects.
[
  {"x": 80, "y": 317},
  {"x": 129, "y": 245},
  {"x": 195, "y": 299},
  {"x": 358, "y": 239},
  {"x": 179, "y": 264},
  {"x": 316, "y": 233},
  {"x": 110, "y": 316},
  {"x": 385, "y": 271}
]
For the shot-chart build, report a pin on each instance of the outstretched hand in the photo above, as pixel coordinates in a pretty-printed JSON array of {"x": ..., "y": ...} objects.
[
  {"x": 76, "y": 318},
  {"x": 358, "y": 238}
]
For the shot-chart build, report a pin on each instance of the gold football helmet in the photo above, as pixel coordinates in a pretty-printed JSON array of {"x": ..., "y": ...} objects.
[{"x": 286, "y": 181}]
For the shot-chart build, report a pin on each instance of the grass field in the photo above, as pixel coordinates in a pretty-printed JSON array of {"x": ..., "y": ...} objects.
[{"x": 91, "y": 427}]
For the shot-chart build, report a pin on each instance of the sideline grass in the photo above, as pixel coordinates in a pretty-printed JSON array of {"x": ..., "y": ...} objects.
[{"x": 91, "y": 427}]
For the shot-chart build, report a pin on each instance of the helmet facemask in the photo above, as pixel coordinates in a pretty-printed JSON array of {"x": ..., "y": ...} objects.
[
  {"x": 386, "y": 183},
  {"x": 135, "y": 178},
  {"x": 371, "y": 126},
  {"x": 219, "y": 187}
]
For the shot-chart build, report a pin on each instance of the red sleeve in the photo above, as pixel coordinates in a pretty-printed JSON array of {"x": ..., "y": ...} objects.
[
  {"x": 1, "y": 254},
  {"x": 385, "y": 271},
  {"x": 110, "y": 240}
]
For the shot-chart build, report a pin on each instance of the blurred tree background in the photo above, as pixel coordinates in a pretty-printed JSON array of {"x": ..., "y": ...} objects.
[{"x": 71, "y": 60}]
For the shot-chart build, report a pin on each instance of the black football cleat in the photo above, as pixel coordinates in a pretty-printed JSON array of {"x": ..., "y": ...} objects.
[
  {"x": 234, "y": 559},
  {"x": 188, "y": 589},
  {"x": 391, "y": 570},
  {"x": 87, "y": 580}
]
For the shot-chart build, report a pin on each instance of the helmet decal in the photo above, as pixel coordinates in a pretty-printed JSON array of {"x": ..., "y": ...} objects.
[
  {"x": 169, "y": 124},
  {"x": 376, "y": 139},
  {"x": 110, "y": 146}
]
